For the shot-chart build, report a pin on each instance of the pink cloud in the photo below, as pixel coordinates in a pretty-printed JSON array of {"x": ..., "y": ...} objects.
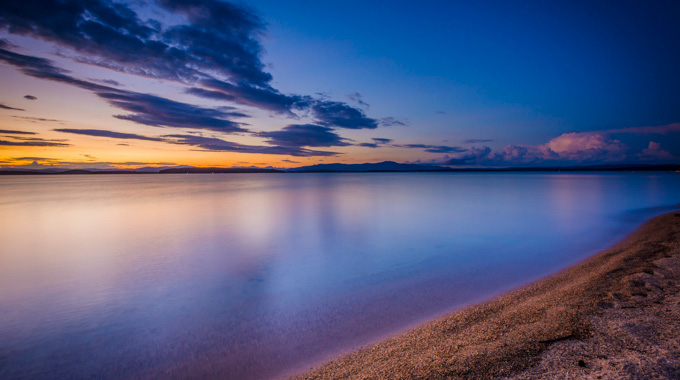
[
  {"x": 578, "y": 148},
  {"x": 655, "y": 152},
  {"x": 587, "y": 146}
]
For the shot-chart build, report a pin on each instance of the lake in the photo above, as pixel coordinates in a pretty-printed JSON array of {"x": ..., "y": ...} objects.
[{"x": 248, "y": 276}]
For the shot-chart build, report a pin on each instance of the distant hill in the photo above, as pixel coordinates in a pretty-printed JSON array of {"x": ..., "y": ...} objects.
[
  {"x": 390, "y": 166},
  {"x": 69, "y": 171},
  {"x": 218, "y": 170},
  {"x": 386, "y": 166},
  {"x": 145, "y": 170}
]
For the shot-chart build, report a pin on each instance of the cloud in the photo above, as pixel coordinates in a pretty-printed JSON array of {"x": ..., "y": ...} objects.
[
  {"x": 211, "y": 36},
  {"x": 13, "y": 132},
  {"x": 655, "y": 152},
  {"x": 266, "y": 98},
  {"x": 214, "y": 144},
  {"x": 110, "y": 82},
  {"x": 2, "y": 106},
  {"x": 651, "y": 130},
  {"x": 356, "y": 97},
  {"x": 36, "y": 66},
  {"x": 472, "y": 156},
  {"x": 339, "y": 114},
  {"x": 160, "y": 112},
  {"x": 37, "y": 119},
  {"x": 324, "y": 112},
  {"x": 290, "y": 161},
  {"x": 570, "y": 152},
  {"x": 575, "y": 148},
  {"x": 33, "y": 142},
  {"x": 144, "y": 108},
  {"x": 105, "y": 133},
  {"x": 299, "y": 135},
  {"x": 587, "y": 147},
  {"x": 219, "y": 37},
  {"x": 30, "y": 97},
  {"x": 368, "y": 145},
  {"x": 212, "y": 43},
  {"x": 377, "y": 142},
  {"x": 476, "y": 141},
  {"x": 212, "y": 46},
  {"x": 42, "y": 159},
  {"x": 523, "y": 155},
  {"x": 157, "y": 111},
  {"x": 390, "y": 121},
  {"x": 286, "y": 142},
  {"x": 381, "y": 141},
  {"x": 54, "y": 163},
  {"x": 23, "y": 138},
  {"x": 426, "y": 147},
  {"x": 433, "y": 148}
]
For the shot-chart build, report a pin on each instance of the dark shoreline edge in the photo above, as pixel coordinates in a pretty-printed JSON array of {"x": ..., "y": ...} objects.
[
  {"x": 359, "y": 168},
  {"x": 614, "y": 315}
]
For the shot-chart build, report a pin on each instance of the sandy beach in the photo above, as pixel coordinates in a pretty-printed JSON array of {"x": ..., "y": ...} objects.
[{"x": 615, "y": 315}]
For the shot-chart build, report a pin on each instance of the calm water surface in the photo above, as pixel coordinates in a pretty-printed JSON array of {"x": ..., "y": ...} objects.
[{"x": 257, "y": 275}]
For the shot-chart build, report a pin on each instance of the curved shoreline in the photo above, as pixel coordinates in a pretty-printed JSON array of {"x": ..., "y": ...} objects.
[{"x": 616, "y": 314}]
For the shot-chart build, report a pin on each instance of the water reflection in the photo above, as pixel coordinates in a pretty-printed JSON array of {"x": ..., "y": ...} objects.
[{"x": 245, "y": 276}]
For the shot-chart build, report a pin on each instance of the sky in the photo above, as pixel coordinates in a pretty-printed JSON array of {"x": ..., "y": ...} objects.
[{"x": 128, "y": 84}]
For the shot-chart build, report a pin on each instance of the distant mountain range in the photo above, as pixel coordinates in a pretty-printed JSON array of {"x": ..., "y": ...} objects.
[
  {"x": 386, "y": 166},
  {"x": 148, "y": 170},
  {"x": 390, "y": 166},
  {"x": 219, "y": 170}
]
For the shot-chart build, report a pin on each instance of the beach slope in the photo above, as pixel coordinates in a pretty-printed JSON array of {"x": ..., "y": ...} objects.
[{"x": 615, "y": 315}]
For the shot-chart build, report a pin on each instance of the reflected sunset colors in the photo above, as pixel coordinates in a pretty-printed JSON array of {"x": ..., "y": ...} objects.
[{"x": 258, "y": 274}]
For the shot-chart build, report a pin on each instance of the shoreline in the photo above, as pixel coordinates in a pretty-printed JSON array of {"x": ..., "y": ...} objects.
[
  {"x": 392, "y": 167},
  {"x": 615, "y": 314}
]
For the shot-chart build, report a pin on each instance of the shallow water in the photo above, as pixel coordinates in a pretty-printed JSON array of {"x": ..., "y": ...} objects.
[{"x": 256, "y": 275}]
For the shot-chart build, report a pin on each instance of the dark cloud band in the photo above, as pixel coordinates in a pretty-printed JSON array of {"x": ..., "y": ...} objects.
[
  {"x": 212, "y": 144},
  {"x": 434, "y": 148},
  {"x": 13, "y": 132},
  {"x": 33, "y": 142},
  {"x": 2, "y": 106},
  {"x": 309, "y": 135},
  {"x": 105, "y": 133},
  {"x": 144, "y": 108}
]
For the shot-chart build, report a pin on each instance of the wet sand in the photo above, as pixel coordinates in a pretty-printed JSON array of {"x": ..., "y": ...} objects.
[{"x": 615, "y": 315}]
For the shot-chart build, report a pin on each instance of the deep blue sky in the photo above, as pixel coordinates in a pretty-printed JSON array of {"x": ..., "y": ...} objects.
[
  {"x": 460, "y": 83},
  {"x": 593, "y": 65}
]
